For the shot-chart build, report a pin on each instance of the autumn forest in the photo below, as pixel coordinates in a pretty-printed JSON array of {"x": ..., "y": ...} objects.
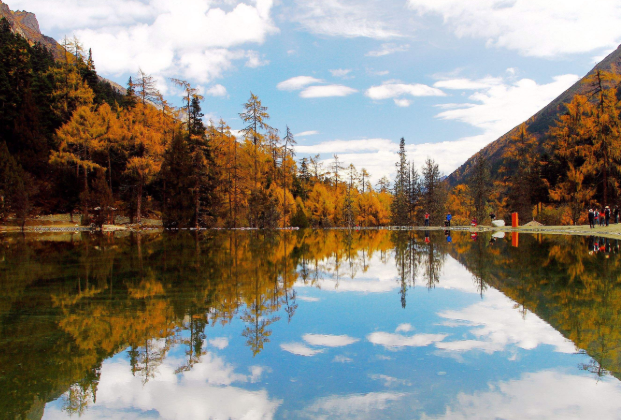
[{"x": 70, "y": 142}]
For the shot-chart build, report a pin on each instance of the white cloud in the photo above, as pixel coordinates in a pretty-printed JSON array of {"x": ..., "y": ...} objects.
[
  {"x": 300, "y": 349},
  {"x": 468, "y": 84},
  {"x": 298, "y": 82},
  {"x": 327, "y": 91},
  {"x": 377, "y": 73},
  {"x": 532, "y": 27},
  {"x": 404, "y": 328},
  {"x": 219, "y": 342},
  {"x": 346, "y": 18},
  {"x": 340, "y": 72},
  {"x": 196, "y": 39},
  {"x": 307, "y": 133},
  {"x": 342, "y": 359},
  {"x": 351, "y": 406},
  {"x": 497, "y": 325},
  {"x": 308, "y": 299},
  {"x": 326, "y": 340},
  {"x": 393, "y": 89},
  {"x": 387, "y": 49},
  {"x": 207, "y": 391},
  {"x": 255, "y": 60},
  {"x": 390, "y": 381},
  {"x": 397, "y": 341},
  {"x": 541, "y": 395},
  {"x": 343, "y": 146},
  {"x": 404, "y": 103},
  {"x": 498, "y": 107},
  {"x": 216, "y": 90}
]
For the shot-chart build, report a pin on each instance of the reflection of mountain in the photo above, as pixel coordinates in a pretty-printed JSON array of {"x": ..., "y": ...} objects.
[{"x": 577, "y": 292}]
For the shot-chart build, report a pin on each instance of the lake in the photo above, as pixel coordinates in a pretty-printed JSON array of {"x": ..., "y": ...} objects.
[{"x": 310, "y": 325}]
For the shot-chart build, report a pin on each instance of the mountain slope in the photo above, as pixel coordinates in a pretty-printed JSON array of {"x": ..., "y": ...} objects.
[
  {"x": 26, "y": 24},
  {"x": 538, "y": 124}
]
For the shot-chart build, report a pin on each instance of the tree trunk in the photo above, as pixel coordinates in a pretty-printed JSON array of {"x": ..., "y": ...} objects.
[{"x": 139, "y": 202}]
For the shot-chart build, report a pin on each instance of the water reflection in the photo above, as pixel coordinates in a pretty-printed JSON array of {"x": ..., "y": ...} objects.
[{"x": 100, "y": 324}]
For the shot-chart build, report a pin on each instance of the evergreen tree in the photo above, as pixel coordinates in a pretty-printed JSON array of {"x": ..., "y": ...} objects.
[
  {"x": 178, "y": 206},
  {"x": 480, "y": 186},
  {"x": 434, "y": 192},
  {"x": 399, "y": 206}
]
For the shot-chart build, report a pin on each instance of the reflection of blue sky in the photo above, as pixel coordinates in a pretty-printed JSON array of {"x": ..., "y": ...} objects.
[{"x": 352, "y": 351}]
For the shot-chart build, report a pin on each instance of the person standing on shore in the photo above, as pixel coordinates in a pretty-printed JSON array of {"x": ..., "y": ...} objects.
[
  {"x": 596, "y": 217},
  {"x": 426, "y": 219},
  {"x": 607, "y": 215},
  {"x": 448, "y": 219},
  {"x": 601, "y": 218},
  {"x": 591, "y": 219},
  {"x": 616, "y": 214}
]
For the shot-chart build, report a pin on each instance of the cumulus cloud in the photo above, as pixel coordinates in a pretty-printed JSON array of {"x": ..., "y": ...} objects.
[
  {"x": 216, "y": 90},
  {"x": 398, "y": 341},
  {"x": 497, "y": 325},
  {"x": 403, "y": 103},
  {"x": 342, "y": 359},
  {"x": 404, "y": 328},
  {"x": 197, "y": 40},
  {"x": 387, "y": 49},
  {"x": 496, "y": 107},
  {"x": 219, "y": 342},
  {"x": 326, "y": 340},
  {"x": 541, "y": 395},
  {"x": 300, "y": 349},
  {"x": 298, "y": 82},
  {"x": 531, "y": 27},
  {"x": 393, "y": 89},
  {"x": 207, "y": 391},
  {"x": 327, "y": 91}
]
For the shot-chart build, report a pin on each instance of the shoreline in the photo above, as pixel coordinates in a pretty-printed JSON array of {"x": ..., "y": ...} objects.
[{"x": 613, "y": 231}]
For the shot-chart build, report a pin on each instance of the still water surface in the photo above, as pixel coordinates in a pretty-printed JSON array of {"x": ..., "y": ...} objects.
[{"x": 310, "y": 325}]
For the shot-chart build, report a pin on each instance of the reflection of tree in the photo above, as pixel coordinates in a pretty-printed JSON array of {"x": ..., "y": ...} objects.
[{"x": 573, "y": 283}]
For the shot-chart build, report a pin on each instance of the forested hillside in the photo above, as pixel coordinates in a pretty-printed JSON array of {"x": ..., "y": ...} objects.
[{"x": 70, "y": 142}]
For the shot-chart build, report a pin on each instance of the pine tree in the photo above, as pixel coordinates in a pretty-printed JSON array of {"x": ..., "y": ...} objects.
[
  {"x": 399, "y": 207},
  {"x": 480, "y": 186},
  {"x": 255, "y": 115},
  {"x": 178, "y": 207},
  {"x": 434, "y": 192}
]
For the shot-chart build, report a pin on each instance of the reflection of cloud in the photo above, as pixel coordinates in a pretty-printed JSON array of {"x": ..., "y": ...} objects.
[
  {"x": 308, "y": 299},
  {"x": 389, "y": 380},
  {"x": 496, "y": 324},
  {"x": 329, "y": 340},
  {"x": 205, "y": 392},
  {"x": 397, "y": 341},
  {"x": 404, "y": 328},
  {"x": 351, "y": 406},
  {"x": 540, "y": 395},
  {"x": 219, "y": 342},
  {"x": 300, "y": 349}
]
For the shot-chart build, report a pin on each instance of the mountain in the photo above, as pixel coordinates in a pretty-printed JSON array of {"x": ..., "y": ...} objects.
[
  {"x": 26, "y": 24},
  {"x": 538, "y": 124}
]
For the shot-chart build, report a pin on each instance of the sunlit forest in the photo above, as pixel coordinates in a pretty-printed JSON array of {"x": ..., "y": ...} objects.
[{"x": 72, "y": 143}]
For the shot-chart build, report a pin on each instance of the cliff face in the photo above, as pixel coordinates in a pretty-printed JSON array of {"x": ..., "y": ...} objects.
[
  {"x": 26, "y": 24},
  {"x": 538, "y": 124}
]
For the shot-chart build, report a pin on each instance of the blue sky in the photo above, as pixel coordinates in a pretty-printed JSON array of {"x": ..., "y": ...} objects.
[{"x": 352, "y": 77}]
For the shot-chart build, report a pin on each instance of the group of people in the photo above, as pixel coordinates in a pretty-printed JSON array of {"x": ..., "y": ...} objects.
[{"x": 603, "y": 218}]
